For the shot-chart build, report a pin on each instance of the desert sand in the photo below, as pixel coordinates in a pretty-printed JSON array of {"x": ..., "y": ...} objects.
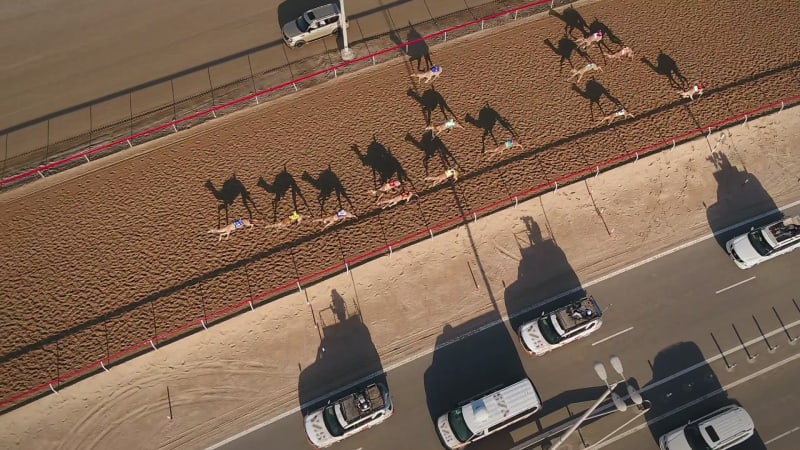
[{"x": 117, "y": 253}]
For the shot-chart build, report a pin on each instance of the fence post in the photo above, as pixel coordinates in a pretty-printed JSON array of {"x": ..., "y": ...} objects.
[
  {"x": 390, "y": 250},
  {"x": 299, "y": 288},
  {"x": 40, "y": 173},
  {"x": 673, "y": 145},
  {"x": 445, "y": 36},
  {"x": 474, "y": 218},
  {"x": 515, "y": 14},
  {"x": 53, "y": 389},
  {"x": 129, "y": 143},
  {"x": 597, "y": 172},
  {"x": 174, "y": 128},
  {"x": 103, "y": 365},
  {"x": 516, "y": 202},
  {"x": 637, "y": 158},
  {"x": 153, "y": 345},
  {"x": 430, "y": 232},
  {"x": 251, "y": 305},
  {"x": 86, "y": 158},
  {"x": 556, "y": 189},
  {"x": 481, "y": 24},
  {"x": 745, "y": 120},
  {"x": 373, "y": 60},
  {"x": 781, "y": 110},
  {"x": 203, "y": 323}
]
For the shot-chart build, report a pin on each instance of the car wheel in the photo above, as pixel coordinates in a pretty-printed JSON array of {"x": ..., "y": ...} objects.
[{"x": 299, "y": 44}]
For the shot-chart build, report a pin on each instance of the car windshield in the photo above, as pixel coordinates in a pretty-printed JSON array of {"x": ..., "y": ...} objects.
[
  {"x": 302, "y": 24},
  {"x": 694, "y": 438},
  {"x": 759, "y": 243},
  {"x": 459, "y": 426},
  {"x": 548, "y": 331},
  {"x": 331, "y": 421}
]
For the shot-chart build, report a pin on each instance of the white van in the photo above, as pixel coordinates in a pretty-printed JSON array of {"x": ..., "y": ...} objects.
[
  {"x": 482, "y": 417},
  {"x": 765, "y": 243},
  {"x": 719, "y": 430}
]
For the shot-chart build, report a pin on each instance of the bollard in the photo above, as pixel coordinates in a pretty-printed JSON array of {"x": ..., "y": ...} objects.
[
  {"x": 792, "y": 340},
  {"x": 556, "y": 189},
  {"x": 373, "y": 60},
  {"x": 745, "y": 120},
  {"x": 334, "y": 72},
  {"x": 346, "y": 267},
  {"x": 390, "y": 250},
  {"x": 430, "y": 232},
  {"x": 597, "y": 172},
  {"x": 406, "y": 49},
  {"x": 251, "y": 305},
  {"x": 52, "y": 388},
  {"x": 129, "y": 143},
  {"x": 257, "y": 100},
  {"x": 673, "y": 145},
  {"x": 40, "y": 174},
  {"x": 295, "y": 87},
  {"x": 103, "y": 365},
  {"x": 214, "y": 113},
  {"x": 516, "y": 201},
  {"x": 709, "y": 133},
  {"x": 86, "y": 157},
  {"x": 203, "y": 323},
  {"x": 153, "y": 345},
  {"x": 445, "y": 36},
  {"x": 781, "y": 110},
  {"x": 770, "y": 348},
  {"x": 750, "y": 357},
  {"x": 474, "y": 218},
  {"x": 637, "y": 158},
  {"x": 481, "y": 24},
  {"x": 175, "y": 129},
  {"x": 515, "y": 14},
  {"x": 299, "y": 288}
]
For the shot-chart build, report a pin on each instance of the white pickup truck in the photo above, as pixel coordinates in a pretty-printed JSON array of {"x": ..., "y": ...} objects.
[
  {"x": 347, "y": 416},
  {"x": 560, "y": 327},
  {"x": 764, "y": 243}
]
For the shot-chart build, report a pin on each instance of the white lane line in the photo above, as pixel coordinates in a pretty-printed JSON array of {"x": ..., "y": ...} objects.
[
  {"x": 612, "y": 336},
  {"x": 725, "y": 388},
  {"x": 781, "y": 435},
  {"x": 734, "y": 285},
  {"x": 633, "y": 266}
]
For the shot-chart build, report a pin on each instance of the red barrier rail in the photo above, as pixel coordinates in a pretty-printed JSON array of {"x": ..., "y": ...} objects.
[
  {"x": 399, "y": 243},
  {"x": 128, "y": 140}
]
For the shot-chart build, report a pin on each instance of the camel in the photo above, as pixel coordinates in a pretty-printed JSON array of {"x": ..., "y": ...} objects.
[
  {"x": 624, "y": 52},
  {"x": 404, "y": 197},
  {"x": 429, "y": 76},
  {"x": 447, "y": 126},
  {"x": 696, "y": 89},
  {"x": 613, "y": 116},
  {"x": 448, "y": 174},
  {"x": 500, "y": 149},
  {"x": 390, "y": 187},
  {"x": 230, "y": 228},
  {"x": 293, "y": 219},
  {"x": 584, "y": 43},
  {"x": 332, "y": 220},
  {"x": 591, "y": 67}
]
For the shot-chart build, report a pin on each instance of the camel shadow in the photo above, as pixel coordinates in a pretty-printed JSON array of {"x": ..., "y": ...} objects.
[
  {"x": 666, "y": 66},
  {"x": 430, "y": 100},
  {"x": 383, "y": 163},
  {"x": 595, "y": 92},
  {"x": 565, "y": 49},
  {"x": 596, "y": 26},
  {"x": 226, "y": 196},
  {"x": 432, "y": 146},
  {"x": 418, "y": 51},
  {"x": 487, "y": 119},
  {"x": 572, "y": 21},
  {"x": 283, "y": 184},
  {"x": 328, "y": 183}
]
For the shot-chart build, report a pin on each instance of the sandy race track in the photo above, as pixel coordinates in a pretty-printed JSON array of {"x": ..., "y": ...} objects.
[{"x": 115, "y": 254}]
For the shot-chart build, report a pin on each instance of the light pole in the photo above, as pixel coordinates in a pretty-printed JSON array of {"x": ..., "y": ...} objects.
[
  {"x": 347, "y": 53},
  {"x": 620, "y": 404}
]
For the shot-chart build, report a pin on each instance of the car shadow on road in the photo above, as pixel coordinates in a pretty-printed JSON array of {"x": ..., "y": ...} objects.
[
  {"x": 345, "y": 355},
  {"x": 740, "y": 196},
  {"x": 677, "y": 397},
  {"x": 472, "y": 365},
  {"x": 543, "y": 272}
]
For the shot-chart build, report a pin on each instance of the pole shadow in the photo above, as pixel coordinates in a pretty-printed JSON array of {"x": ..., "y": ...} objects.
[
  {"x": 328, "y": 184},
  {"x": 345, "y": 354},
  {"x": 487, "y": 119},
  {"x": 542, "y": 273},
  {"x": 430, "y": 101},
  {"x": 700, "y": 389},
  {"x": 739, "y": 195},
  {"x": 232, "y": 188},
  {"x": 283, "y": 184},
  {"x": 666, "y": 66},
  {"x": 383, "y": 163}
]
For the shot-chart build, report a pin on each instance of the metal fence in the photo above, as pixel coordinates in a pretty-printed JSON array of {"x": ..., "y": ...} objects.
[{"x": 118, "y": 123}]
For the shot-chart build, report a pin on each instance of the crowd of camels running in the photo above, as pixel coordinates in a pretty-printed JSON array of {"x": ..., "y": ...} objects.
[{"x": 394, "y": 191}]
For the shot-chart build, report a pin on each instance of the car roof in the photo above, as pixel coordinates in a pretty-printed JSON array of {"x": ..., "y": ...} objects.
[
  {"x": 496, "y": 407},
  {"x": 323, "y": 11},
  {"x": 726, "y": 424}
]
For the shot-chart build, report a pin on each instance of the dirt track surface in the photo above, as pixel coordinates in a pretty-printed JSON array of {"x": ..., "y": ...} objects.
[{"x": 115, "y": 256}]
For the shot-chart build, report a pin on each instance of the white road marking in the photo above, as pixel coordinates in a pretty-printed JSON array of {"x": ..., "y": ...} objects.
[
  {"x": 612, "y": 336},
  {"x": 526, "y": 310},
  {"x": 781, "y": 435},
  {"x": 701, "y": 399},
  {"x": 734, "y": 285}
]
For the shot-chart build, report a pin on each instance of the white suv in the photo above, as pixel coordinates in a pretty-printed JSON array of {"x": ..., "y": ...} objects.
[
  {"x": 313, "y": 24},
  {"x": 765, "y": 243},
  {"x": 720, "y": 430}
]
